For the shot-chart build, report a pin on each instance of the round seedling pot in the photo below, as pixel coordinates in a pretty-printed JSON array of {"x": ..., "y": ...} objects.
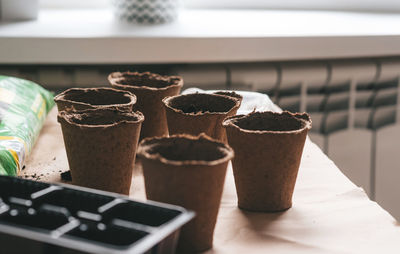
[
  {"x": 199, "y": 113},
  {"x": 101, "y": 147},
  {"x": 187, "y": 171},
  {"x": 268, "y": 148},
  {"x": 95, "y": 98},
  {"x": 150, "y": 89}
]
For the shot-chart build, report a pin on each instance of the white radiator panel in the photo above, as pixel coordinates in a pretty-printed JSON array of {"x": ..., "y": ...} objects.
[
  {"x": 335, "y": 121},
  {"x": 351, "y": 150},
  {"x": 318, "y": 121},
  {"x": 388, "y": 169},
  {"x": 337, "y": 101},
  {"x": 363, "y": 71},
  {"x": 290, "y": 103},
  {"x": 315, "y": 102},
  {"x": 389, "y": 69},
  {"x": 205, "y": 77},
  {"x": 58, "y": 76},
  {"x": 384, "y": 116},
  {"x": 257, "y": 76},
  {"x": 89, "y": 77},
  {"x": 313, "y": 73},
  {"x": 362, "y": 118},
  {"x": 385, "y": 97},
  {"x": 364, "y": 98},
  {"x": 318, "y": 139}
]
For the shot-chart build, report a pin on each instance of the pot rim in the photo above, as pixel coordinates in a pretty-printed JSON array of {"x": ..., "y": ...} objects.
[
  {"x": 61, "y": 97},
  {"x": 143, "y": 153},
  {"x": 167, "y": 100},
  {"x": 304, "y": 118},
  {"x": 229, "y": 93},
  {"x": 65, "y": 116},
  {"x": 176, "y": 81}
]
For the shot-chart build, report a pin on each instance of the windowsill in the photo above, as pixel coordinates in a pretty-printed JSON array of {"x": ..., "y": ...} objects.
[{"x": 92, "y": 36}]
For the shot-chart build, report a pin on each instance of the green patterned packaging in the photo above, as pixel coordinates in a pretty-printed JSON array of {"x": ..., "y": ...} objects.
[{"x": 24, "y": 106}]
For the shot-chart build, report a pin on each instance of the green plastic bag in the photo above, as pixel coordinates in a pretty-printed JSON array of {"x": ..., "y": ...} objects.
[{"x": 24, "y": 106}]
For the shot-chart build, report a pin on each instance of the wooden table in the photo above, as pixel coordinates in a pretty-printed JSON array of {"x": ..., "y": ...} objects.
[{"x": 329, "y": 214}]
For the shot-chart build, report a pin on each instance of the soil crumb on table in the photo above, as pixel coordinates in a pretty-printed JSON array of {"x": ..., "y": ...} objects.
[{"x": 66, "y": 176}]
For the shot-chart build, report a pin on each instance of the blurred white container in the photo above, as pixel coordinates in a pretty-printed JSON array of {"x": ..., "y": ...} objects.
[
  {"x": 19, "y": 9},
  {"x": 146, "y": 11}
]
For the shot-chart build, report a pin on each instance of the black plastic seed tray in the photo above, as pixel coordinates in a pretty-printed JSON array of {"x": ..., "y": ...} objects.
[{"x": 46, "y": 218}]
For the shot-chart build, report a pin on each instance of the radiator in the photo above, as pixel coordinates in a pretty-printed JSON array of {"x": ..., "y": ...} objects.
[{"x": 354, "y": 105}]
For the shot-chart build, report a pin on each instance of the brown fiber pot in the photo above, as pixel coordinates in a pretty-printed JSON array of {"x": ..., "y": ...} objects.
[
  {"x": 187, "y": 171},
  {"x": 101, "y": 147},
  {"x": 199, "y": 113},
  {"x": 268, "y": 148},
  {"x": 150, "y": 89},
  {"x": 91, "y": 98}
]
